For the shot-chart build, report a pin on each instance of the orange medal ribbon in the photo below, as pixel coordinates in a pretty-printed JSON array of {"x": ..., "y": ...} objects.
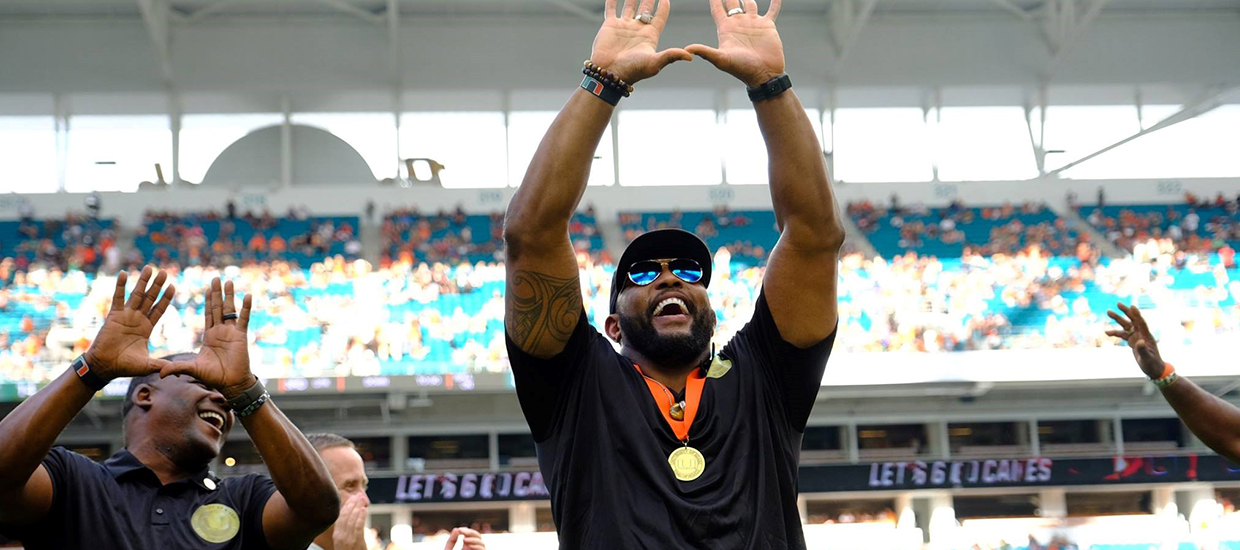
[{"x": 662, "y": 396}]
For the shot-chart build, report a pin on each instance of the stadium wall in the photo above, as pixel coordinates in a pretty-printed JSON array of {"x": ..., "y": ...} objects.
[{"x": 352, "y": 198}]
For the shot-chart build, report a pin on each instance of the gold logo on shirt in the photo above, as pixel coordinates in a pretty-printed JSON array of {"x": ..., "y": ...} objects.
[
  {"x": 215, "y": 523},
  {"x": 718, "y": 368}
]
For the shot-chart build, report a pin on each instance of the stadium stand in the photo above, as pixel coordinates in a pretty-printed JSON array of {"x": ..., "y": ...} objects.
[
  {"x": 948, "y": 232},
  {"x": 749, "y": 235},
  {"x": 212, "y": 238},
  {"x": 459, "y": 237},
  {"x": 1192, "y": 226}
]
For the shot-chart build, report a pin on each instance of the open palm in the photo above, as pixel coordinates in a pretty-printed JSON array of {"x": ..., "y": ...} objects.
[
  {"x": 121, "y": 347},
  {"x": 627, "y": 47},
  {"x": 749, "y": 45},
  {"x": 223, "y": 362}
]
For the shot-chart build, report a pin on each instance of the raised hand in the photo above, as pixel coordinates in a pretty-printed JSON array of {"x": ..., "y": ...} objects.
[
  {"x": 470, "y": 539},
  {"x": 626, "y": 46},
  {"x": 121, "y": 347},
  {"x": 350, "y": 530},
  {"x": 223, "y": 363},
  {"x": 1139, "y": 338},
  {"x": 749, "y": 46}
]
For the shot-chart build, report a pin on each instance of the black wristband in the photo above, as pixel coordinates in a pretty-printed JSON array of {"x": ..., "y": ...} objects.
[
  {"x": 86, "y": 375},
  {"x": 601, "y": 90},
  {"x": 250, "y": 400},
  {"x": 770, "y": 88}
]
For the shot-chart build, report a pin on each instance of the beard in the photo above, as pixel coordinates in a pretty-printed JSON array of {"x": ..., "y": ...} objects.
[{"x": 669, "y": 349}]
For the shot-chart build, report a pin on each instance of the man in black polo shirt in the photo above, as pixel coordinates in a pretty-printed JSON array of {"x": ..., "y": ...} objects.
[
  {"x": 660, "y": 445},
  {"x": 157, "y": 492}
]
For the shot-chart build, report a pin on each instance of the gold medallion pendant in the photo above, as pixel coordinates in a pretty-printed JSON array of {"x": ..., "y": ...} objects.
[{"x": 687, "y": 463}]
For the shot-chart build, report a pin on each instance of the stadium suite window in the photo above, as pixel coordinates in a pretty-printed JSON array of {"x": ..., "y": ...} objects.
[
  {"x": 1169, "y": 431},
  {"x": 1065, "y": 432},
  {"x": 908, "y": 438},
  {"x": 204, "y": 137},
  {"x": 517, "y": 451},
  {"x": 526, "y": 130},
  {"x": 1109, "y": 503},
  {"x": 692, "y": 134},
  {"x": 1023, "y": 505},
  {"x": 882, "y": 145},
  {"x": 28, "y": 154},
  {"x": 969, "y": 437},
  {"x": 116, "y": 153},
  {"x": 471, "y": 145},
  {"x": 376, "y": 451},
  {"x": 449, "y": 452}
]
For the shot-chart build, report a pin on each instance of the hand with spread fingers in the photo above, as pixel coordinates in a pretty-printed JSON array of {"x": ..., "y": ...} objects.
[
  {"x": 625, "y": 45},
  {"x": 470, "y": 539},
  {"x": 749, "y": 46},
  {"x": 1139, "y": 338},
  {"x": 121, "y": 347},
  {"x": 223, "y": 363}
]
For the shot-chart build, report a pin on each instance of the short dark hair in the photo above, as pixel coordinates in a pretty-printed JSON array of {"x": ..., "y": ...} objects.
[
  {"x": 325, "y": 441},
  {"x": 136, "y": 381}
]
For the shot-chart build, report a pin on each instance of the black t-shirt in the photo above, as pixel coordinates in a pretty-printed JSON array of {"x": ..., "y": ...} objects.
[
  {"x": 603, "y": 444},
  {"x": 121, "y": 504}
]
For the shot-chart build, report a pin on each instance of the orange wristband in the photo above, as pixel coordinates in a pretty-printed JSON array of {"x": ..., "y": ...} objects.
[{"x": 1168, "y": 370}]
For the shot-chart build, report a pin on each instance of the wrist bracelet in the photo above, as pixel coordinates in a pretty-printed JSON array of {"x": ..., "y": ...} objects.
[
  {"x": 601, "y": 91},
  {"x": 86, "y": 375},
  {"x": 770, "y": 88},
  {"x": 249, "y": 400},
  {"x": 1168, "y": 377}
]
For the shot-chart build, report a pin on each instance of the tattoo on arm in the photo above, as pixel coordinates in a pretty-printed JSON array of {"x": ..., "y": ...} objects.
[{"x": 542, "y": 310}]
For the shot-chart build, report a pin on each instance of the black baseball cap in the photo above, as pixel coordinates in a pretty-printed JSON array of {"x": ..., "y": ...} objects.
[{"x": 656, "y": 245}]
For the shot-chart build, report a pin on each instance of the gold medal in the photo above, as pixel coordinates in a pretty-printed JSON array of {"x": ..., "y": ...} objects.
[{"x": 687, "y": 463}]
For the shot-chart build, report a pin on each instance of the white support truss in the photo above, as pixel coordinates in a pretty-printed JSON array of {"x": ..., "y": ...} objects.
[
  {"x": 570, "y": 7},
  {"x": 1066, "y": 21},
  {"x": 845, "y": 21},
  {"x": 345, "y": 7},
  {"x": 155, "y": 19}
]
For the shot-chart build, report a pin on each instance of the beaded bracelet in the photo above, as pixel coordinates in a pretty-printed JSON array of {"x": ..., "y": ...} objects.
[{"x": 607, "y": 77}]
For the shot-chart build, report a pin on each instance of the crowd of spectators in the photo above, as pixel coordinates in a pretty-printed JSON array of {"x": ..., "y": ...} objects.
[
  {"x": 1196, "y": 226},
  {"x": 1011, "y": 227},
  {"x": 224, "y": 238},
  {"x": 72, "y": 242},
  {"x": 454, "y": 237}
]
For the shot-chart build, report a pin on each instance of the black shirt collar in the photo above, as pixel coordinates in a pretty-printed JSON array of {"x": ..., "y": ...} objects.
[{"x": 124, "y": 462}]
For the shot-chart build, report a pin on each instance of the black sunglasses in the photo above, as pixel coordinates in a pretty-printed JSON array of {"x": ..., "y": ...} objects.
[{"x": 647, "y": 271}]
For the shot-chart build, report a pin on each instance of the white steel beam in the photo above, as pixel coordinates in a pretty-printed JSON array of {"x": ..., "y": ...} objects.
[
  {"x": 845, "y": 21},
  {"x": 347, "y": 8},
  {"x": 1013, "y": 9},
  {"x": 1210, "y": 101},
  {"x": 155, "y": 19},
  {"x": 570, "y": 7},
  {"x": 216, "y": 7}
]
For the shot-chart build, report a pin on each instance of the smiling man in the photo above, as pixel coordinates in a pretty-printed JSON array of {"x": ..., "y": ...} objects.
[
  {"x": 157, "y": 492},
  {"x": 660, "y": 445}
]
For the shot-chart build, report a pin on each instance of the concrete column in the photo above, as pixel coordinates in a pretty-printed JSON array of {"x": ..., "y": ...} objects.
[
  {"x": 1162, "y": 500},
  {"x": 937, "y": 440},
  {"x": 1034, "y": 440},
  {"x": 493, "y": 446},
  {"x": 400, "y": 453},
  {"x": 1052, "y": 503},
  {"x": 802, "y": 508},
  {"x": 853, "y": 445},
  {"x": 522, "y": 518}
]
